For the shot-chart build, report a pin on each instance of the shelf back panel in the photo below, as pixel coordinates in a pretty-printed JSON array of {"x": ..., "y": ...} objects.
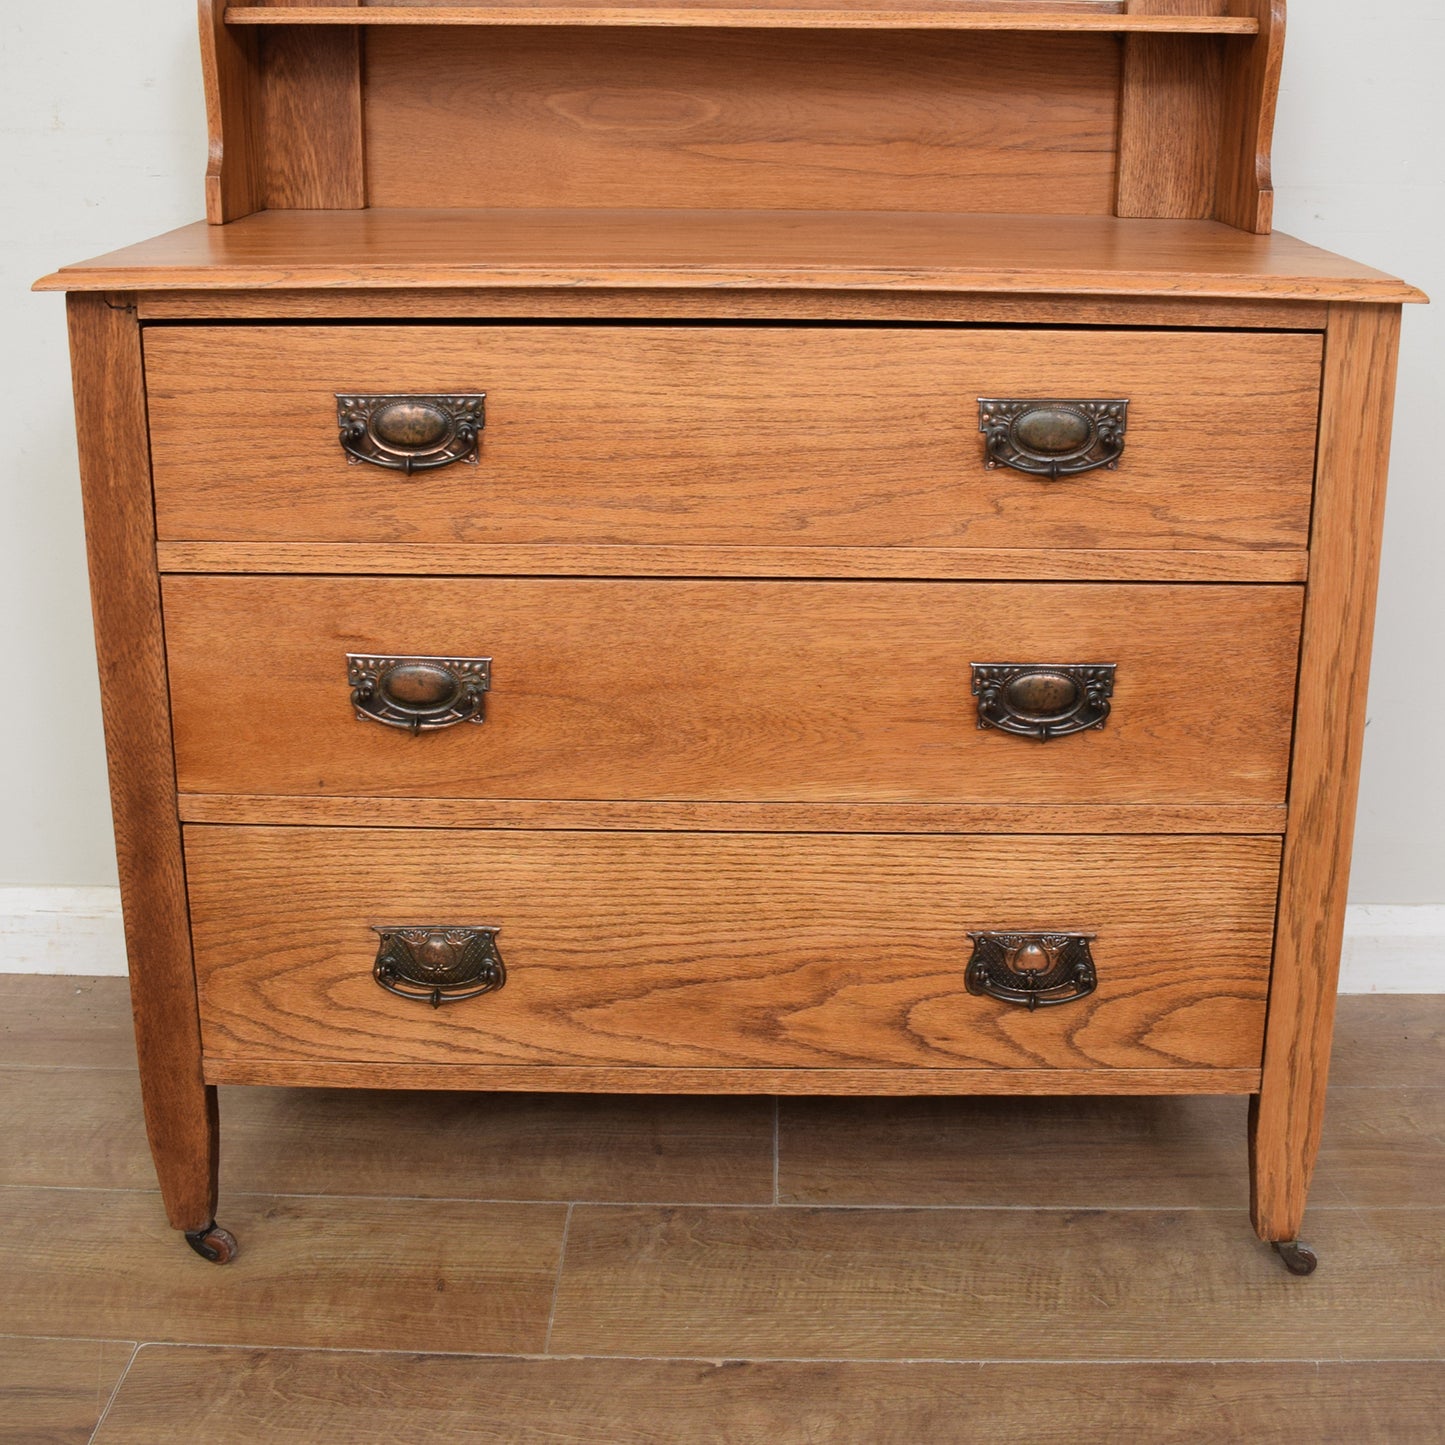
[{"x": 751, "y": 120}]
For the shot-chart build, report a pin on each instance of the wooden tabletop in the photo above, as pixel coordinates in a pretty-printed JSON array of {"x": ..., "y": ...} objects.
[{"x": 863, "y": 250}]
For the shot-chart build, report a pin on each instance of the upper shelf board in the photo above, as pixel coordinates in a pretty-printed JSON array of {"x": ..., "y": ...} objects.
[{"x": 739, "y": 18}]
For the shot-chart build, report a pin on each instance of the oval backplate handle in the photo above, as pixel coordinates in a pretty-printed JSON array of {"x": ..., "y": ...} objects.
[
  {"x": 1043, "y": 700},
  {"x": 407, "y": 432},
  {"x": 1036, "y": 970},
  {"x": 1052, "y": 438},
  {"x": 418, "y": 693},
  {"x": 439, "y": 963}
]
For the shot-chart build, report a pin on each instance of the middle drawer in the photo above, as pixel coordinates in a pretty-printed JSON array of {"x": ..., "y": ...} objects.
[{"x": 734, "y": 691}]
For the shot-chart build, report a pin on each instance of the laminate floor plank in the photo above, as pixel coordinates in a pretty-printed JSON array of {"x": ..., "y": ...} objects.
[
  {"x": 71, "y": 1022},
  {"x": 363, "y": 1274},
  {"x": 1077, "y": 1153},
  {"x": 221, "y": 1397},
  {"x": 1019, "y": 1284},
  {"x": 1382, "y": 1148},
  {"x": 86, "y": 1130},
  {"x": 1389, "y": 1040},
  {"x": 52, "y": 1392}
]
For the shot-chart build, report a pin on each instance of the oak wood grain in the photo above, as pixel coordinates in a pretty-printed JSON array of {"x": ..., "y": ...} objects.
[
  {"x": 730, "y": 436},
  {"x": 1252, "y": 68},
  {"x": 961, "y": 1284},
  {"x": 727, "y": 817},
  {"x": 748, "y": 250},
  {"x": 740, "y": 118},
  {"x": 310, "y": 108},
  {"x": 1361, "y": 350},
  {"x": 803, "y": 16},
  {"x": 358, "y": 1273},
  {"x": 602, "y": 1079},
  {"x": 984, "y": 564},
  {"x": 707, "y": 304},
  {"x": 231, "y": 71},
  {"x": 110, "y": 412},
  {"x": 704, "y": 950},
  {"x": 296, "y": 1397},
  {"x": 735, "y": 691},
  {"x": 1170, "y": 115},
  {"x": 53, "y": 1392}
]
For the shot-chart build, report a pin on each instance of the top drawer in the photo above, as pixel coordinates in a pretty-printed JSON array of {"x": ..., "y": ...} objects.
[{"x": 740, "y": 435}]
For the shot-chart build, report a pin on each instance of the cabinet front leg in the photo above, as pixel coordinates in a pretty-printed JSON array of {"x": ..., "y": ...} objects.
[
  {"x": 115, "y": 474},
  {"x": 1281, "y": 1163}
]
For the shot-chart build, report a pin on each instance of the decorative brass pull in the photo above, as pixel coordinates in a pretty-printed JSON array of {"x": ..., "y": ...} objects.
[
  {"x": 1037, "y": 970},
  {"x": 439, "y": 963},
  {"x": 420, "y": 694},
  {"x": 411, "y": 433},
  {"x": 1053, "y": 438},
  {"x": 1043, "y": 700}
]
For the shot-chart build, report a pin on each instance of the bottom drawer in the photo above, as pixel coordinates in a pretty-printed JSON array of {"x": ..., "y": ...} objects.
[{"x": 677, "y": 950}]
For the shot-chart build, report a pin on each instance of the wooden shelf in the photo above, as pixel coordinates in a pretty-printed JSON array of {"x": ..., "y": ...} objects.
[
  {"x": 746, "y": 250},
  {"x": 704, "y": 17}
]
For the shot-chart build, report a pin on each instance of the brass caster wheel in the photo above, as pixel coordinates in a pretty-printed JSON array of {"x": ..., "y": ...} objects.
[
  {"x": 1298, "y": 1258},
  {"x": 213, "y": 1243}
]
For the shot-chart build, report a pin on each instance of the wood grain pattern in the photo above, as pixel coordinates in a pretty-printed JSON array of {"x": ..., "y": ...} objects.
[
  {"x": 1252, "y": 68},
  {"x": 727, "y": 15},
  {"x": 360, "y": 1273},
  {"x": 730, "y": 436},
  {"x": 53, "y": 1392},
  {"x": 706, "y": 950},
  {"x": 110, "y": 412},
  {"x": 1170, "y": 114},
  {"x": 733, "y": 691},
  {"x": 1361, "y": 350},
  {"x": 310, "y": 104},
  {"x": 983, "y": 564},
  {"x": 296, "y": 1397},
  {"x": 1389, "y": 1042},
  {"x": 231, "y": 70},
  {"x": 603, "y": 1079},
  {"x": 725, "y": 118},
  {"x": 728, "y": 817},
  {"x": 705, "y": 305},
  {"x": 82, "y": 1129},
  {"x": 751, "y": 250},
  {"x": 961, "y": 1284},
  {"x": 73, "y": 1022}
]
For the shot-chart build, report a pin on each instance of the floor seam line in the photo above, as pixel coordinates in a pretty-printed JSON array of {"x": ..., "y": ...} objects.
[
  {"x": 557, "y": 1283},
  {"x": 115, "y": 1390}
]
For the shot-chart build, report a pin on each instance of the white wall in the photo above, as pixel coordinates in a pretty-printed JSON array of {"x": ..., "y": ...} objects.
[{"x": 102, "y": 132}]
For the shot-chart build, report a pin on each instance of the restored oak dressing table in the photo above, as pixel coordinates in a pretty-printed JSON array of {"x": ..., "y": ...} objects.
[{"x": 722, "y": 549}]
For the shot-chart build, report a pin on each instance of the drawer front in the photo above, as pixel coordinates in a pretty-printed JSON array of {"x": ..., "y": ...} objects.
[
  {"x": 671, "y": 950},
  {"x": 732, "y": 691},
  {"x": 743, "y": 435}
]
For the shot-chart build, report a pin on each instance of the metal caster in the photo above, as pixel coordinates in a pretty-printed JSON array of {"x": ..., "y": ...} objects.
[
  {"x": 213, "y": 1243},
  {"x": 1298, "y": 1258}
]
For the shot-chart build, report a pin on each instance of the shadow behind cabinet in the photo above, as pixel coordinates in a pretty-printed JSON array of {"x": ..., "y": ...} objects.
[{"x": 687, "y": 549}]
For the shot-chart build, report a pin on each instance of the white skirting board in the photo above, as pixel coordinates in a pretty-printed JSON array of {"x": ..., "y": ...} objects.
[{"x": 1389, "y": 948}]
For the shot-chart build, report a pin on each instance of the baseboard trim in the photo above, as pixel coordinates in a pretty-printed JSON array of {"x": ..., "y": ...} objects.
[{"x": 1389, "y": 948}]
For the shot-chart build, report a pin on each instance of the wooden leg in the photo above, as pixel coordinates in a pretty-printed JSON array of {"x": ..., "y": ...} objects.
[
  {"x": 1361, "y": 343},
  {"x": 110, "y": 409}
]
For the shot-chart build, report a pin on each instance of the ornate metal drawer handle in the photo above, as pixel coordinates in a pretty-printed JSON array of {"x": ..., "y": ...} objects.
[
  {"x": 1037, "y": 970},
  {"x": 420, "y": 694},
  {"x": 439, "y": 963},
  {"x": 1053, "y": 438},
  {"x": 411, "y": 433},
  {"x": 1043, "y": 700}
]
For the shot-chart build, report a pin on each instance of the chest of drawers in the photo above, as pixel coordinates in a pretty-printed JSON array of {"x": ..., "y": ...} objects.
[{"x": 840, "y": 640}]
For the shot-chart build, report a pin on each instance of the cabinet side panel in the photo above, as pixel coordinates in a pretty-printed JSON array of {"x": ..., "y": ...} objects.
[
  {"x": 1361, "y": 347},
  {"x": 1245, "y": 193},
  {"x": 120, "y": 534}
]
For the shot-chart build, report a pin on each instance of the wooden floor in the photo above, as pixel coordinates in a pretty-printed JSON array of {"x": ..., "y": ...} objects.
[{"x": 444, "y": 1268}]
